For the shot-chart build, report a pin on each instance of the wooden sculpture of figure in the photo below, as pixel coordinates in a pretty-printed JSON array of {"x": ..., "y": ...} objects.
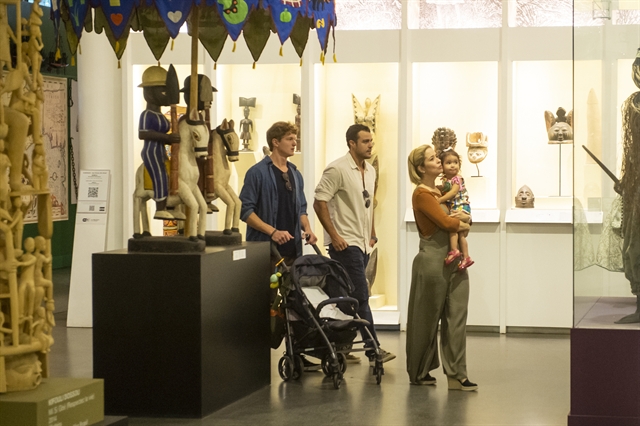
[
  {"x": 40, "y": 174},
  {"x": 225, "y": 147},
  {"x": 153, "y": 130},
  {"x": 16, "y": 117},
  {"x": 368, "y": 116},
  {"x": 194, "y": 138},
  {"x": 205, "y": 164},
  {"x": 627, "y": 187},
  {"x": 42, "y": 329},
  {"x": 525, "y": 198},
  {"x": 35, "y": 40},
  {"x": 246, "y": 124},
  {"x": 23, "y": 371},
  {"x": 27, "y": 284},
  {"x": 559, "y": 128},
  {"x": 4, "y": 177},
  {"x": 44, "y": 287},
  {"x": 297, "y": 101},
  {"x": 478, "y": 148},
  {"x": 21, "y": 86},
  {"x": 26, "y": 296},
  {"x": 6, "y": 36},
  {"x": 17, "y": 220}
]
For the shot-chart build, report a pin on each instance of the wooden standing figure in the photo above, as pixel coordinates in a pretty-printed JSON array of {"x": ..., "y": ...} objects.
[
  {"x": 297, "y": 101},
  {"x": 246, "y": 124},
  {"x": 153, "y": 129}
]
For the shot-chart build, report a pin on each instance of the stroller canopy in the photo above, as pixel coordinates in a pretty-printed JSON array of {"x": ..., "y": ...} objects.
[{"x": 323, "y": 272}]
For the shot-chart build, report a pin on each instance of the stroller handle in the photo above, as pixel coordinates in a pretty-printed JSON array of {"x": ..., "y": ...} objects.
[
  {"x": 276, "y": 253},
  {"x": 338, "y": 300}
]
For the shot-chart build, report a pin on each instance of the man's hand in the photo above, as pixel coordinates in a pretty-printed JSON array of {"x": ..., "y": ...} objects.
[
  {"x": 372, "y": 242},
  {"x": 310, "y": 238},
  {"x": 281, "y": 237},
  {"x": 338, "y": 243}
]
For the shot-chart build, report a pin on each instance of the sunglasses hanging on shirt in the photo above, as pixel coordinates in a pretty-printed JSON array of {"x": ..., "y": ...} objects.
[
  {"x": 367, "y": 199},
  {"x": 287, "y": 184}
]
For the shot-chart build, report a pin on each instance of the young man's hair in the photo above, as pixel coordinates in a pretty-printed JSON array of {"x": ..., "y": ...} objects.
[
  {"x": 353, "y": 130},
  {"x": 279, "y": 130}
]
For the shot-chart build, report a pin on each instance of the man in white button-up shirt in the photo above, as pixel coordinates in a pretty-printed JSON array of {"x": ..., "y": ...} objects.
[{"x": 344, "y": 205}]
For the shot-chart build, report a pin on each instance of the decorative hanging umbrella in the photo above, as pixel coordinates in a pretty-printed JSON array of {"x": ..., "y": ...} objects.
[{"x": 161, "y": 20}]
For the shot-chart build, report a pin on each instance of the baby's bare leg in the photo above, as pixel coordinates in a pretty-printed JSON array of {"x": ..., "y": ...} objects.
[
  {"x": 464, "y": 246},
  {"x": 453, "y": 241}
]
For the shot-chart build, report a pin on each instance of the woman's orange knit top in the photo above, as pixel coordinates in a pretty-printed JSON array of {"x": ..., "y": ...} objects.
[{"x": 430, "y": 214}]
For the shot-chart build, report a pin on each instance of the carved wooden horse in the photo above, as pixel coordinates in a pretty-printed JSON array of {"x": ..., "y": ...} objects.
[
  {"x": 194, "y": 138},
  {"x": 225, "y": 146}
]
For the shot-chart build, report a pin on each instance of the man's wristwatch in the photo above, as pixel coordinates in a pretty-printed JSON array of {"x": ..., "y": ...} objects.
[{"x": 375, "y": 239}]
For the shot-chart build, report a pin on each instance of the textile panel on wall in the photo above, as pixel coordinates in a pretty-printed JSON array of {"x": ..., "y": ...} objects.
[{"x": 56, "y": 142}]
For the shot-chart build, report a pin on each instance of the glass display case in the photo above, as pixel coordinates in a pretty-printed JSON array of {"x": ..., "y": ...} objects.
[
  {"x": 374, "y": 87},
  {"x": 438, "y": 90},
  {"x": 263, "y": 96},
  {"x": 540, "y": 89},
  {"x": 606, "y": 330},
  {"x": 603, "y": 81}
]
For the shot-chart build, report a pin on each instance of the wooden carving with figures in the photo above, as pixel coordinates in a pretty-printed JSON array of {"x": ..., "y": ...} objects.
[{"x": 26, "y": 288}]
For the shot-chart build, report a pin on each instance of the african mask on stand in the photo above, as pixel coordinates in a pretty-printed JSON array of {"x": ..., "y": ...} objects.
[
  {"x": 477, "y": 143},
  {"x": 559, "y": 127},
  {"x": 525, "y": 198}
]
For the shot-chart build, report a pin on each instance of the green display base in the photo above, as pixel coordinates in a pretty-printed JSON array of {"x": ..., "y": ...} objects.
[{"x": 56, "y": 402}]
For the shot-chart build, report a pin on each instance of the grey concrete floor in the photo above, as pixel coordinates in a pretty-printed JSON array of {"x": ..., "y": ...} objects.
[{"x": 523, "y": 379}]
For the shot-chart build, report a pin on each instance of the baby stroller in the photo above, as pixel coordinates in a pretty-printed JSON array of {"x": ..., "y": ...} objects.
[{"x": 319, "y": 318}]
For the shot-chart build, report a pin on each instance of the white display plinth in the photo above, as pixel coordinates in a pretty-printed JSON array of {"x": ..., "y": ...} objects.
[{"x": 90, "y": 237}]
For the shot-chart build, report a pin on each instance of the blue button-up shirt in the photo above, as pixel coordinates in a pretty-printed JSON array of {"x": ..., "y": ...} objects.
[{"x": 259, "y": 195}]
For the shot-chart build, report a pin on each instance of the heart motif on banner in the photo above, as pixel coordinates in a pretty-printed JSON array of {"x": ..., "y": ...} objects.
[
  {"x": 116, "y": 18},
  {"x": 175, "y": 16}
]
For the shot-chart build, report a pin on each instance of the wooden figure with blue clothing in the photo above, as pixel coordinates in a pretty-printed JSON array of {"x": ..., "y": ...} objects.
[{"x": 153, "y": 129}]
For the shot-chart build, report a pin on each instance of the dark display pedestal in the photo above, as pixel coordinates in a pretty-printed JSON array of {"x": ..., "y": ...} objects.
[
  {"x": 605, "y": 377},
  {"x": 181, "y": 335}
]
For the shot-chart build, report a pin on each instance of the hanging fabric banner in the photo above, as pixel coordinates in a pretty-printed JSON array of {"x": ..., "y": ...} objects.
[
  {"x": 77, "y": 12},
  {"x": 284, "y": 14},
  {"x": 174, "y": 13},
  {"x": 117, "y": 13},
  {"x": 234, "y": 14},
  {"x": 161, "y": 20},
  {"x": 323, "y": 13}
]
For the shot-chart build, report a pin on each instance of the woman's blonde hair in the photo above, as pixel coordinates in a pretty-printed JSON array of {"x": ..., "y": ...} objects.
[{"x": 416, "y": 159}]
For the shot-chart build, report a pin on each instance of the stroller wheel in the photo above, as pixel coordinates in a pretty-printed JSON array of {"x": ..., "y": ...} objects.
[
  {"x": 337, "y": 380},
  {"x": 298, "y": 368},
  {"x": 329, "y": 369},
  {"x": 379, "y": 374},
  {"x": 342, "y": 359},
  {"x": 326, "y": 365},
  {"x": 285, "y": 368},
  {"x": 378, "y": 371}
]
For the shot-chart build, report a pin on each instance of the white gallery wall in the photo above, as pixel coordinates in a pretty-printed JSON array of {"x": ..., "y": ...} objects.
[{"x": 498, "y": 81}]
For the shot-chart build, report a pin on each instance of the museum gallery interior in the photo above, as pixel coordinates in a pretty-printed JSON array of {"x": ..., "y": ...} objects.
[{"x": 129, "y": 293}]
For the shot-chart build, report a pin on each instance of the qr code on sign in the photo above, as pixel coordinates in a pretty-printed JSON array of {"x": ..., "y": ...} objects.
[{"x": 93, "y": 192}]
